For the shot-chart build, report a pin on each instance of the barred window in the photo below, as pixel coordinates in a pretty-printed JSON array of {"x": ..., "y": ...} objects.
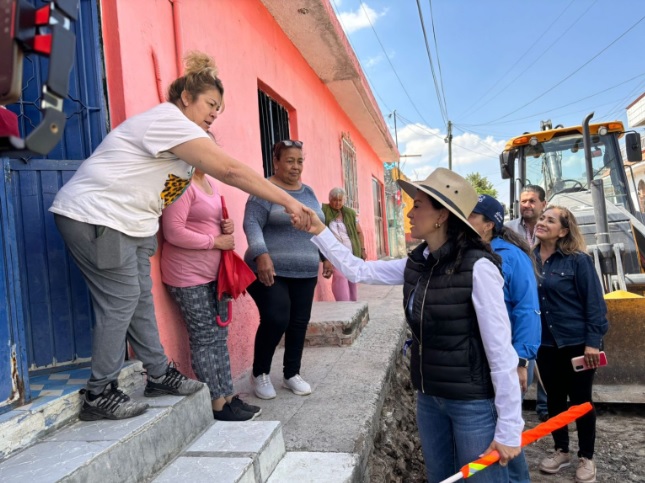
[
  {"x": 350, "y": 176},
  {"x": 274, "y": 127}
]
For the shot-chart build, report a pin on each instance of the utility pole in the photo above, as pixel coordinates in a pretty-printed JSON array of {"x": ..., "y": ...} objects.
[{"x": 448, "y": 140}]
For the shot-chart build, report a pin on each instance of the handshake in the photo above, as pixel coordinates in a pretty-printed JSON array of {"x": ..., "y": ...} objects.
[{"x": 305, "y": 219}]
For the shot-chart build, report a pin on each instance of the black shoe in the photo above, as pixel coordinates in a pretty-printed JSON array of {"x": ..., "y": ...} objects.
[
  {"x": 172, "y": 382},
  {"x": 112, "y": 403},
  {"x": 232, "y": 413},
  {"x": 236, "y": 402}
]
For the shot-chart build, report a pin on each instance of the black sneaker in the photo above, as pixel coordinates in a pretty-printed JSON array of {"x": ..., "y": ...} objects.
[
  {"x": 249, "y": 408},
  {"x": 233, "y": 413},
  {"x": 172, "y": 382},
  {"x": 112, "y": 403}
]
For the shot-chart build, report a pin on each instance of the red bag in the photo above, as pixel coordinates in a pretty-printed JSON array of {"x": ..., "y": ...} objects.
[{"x": 233, "y": 278}]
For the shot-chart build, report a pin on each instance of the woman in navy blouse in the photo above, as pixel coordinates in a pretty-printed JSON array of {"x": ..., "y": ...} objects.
[{"x": 573, "y": 324}]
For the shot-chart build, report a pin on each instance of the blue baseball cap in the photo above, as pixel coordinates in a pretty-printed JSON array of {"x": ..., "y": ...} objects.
[{"x": 491, "y": 209}]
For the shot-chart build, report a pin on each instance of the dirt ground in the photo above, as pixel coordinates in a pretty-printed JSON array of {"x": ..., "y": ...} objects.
[{"x": 397, "y": 458}]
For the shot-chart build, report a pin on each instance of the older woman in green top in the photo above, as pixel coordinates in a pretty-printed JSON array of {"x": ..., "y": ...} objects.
[{"x": 343, "y": 223}]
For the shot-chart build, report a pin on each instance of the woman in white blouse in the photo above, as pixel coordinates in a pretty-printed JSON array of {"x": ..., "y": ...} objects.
[{"x": 463, "y": 364}]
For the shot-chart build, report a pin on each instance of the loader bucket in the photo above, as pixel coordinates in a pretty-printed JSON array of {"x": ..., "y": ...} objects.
[
  {"x": 621, "y": 294},
  {"x": 623, "y": 379}
]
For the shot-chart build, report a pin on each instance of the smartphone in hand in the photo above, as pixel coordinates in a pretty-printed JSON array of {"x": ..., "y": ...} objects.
[{"x": 579, "y": 363}]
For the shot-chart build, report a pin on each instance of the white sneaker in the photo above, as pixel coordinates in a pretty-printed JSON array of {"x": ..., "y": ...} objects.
[
  {"x": 554, "y": 463},
  {"x": 262, "y": 386},
  {"x": 298, "y": 385}
]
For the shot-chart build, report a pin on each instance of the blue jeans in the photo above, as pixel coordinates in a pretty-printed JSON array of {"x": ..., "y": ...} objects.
[
  {"x": 454, "y": 433},
  {"x": 518, "y": 470}
]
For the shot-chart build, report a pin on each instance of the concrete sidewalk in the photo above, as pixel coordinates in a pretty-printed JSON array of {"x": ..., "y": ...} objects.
[{"x": 348, "y": 383}]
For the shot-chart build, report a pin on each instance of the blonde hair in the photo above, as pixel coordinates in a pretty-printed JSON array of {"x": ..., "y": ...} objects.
[
  {"x": 573, "y": 241},
  {"x": 200, "y": 75}
]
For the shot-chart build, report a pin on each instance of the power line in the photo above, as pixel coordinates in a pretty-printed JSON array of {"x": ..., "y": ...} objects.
[
  {"x": 367, "y": 15},
  {"x": 364, "y": 71},
  {"x": 619, "y": 108},
  {"x": 423, "y": 128},
  {"x": 498, "y": 135},
  {"x": 478, "y": 140},
  {"x": 571, "y": 74},
  {"x": 442, "y": 107},
  {"x": 555, "y": 109},
  {"x": 436, "y": 49},
  {"x": 503, "y": 76}
]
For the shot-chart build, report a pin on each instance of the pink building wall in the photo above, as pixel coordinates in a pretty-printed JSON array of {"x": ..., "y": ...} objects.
[{"x": 250, "y": 50}]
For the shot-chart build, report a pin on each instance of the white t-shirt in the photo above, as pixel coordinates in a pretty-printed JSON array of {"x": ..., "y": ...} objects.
[{"x": 132, "y": 175}]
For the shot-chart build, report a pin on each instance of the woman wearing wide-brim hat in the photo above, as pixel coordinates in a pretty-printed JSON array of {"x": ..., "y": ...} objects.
[{"x": 463, "y": 364}]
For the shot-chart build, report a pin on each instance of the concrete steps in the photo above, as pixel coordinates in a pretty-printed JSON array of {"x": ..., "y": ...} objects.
[
  {"x": 254, "y": 452},
  {"x": 325, "y": 437},
  {"x": 229, "y": 452},
  {"x": 130, "y": 450},
  {"x": 24, "y": 425}
]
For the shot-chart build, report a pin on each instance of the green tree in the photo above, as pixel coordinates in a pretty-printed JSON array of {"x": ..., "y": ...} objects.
[{"x": 481, "y": 184}]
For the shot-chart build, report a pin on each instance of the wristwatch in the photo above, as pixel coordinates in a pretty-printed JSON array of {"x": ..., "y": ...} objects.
[{"x": 523, "y": 362}]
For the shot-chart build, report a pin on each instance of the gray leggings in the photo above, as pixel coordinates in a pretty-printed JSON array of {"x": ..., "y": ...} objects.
[
  {"x": 116, "y": 268},
  {"x": 209, "y": 352}
]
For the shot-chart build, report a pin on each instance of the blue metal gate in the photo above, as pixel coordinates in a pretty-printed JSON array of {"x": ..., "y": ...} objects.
[
  {"x": 56, "y": 312},
  {"x": 13, "y": 359}
]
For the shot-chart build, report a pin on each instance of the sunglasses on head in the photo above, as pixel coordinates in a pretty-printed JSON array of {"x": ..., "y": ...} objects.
[{"x": 287, "y": 143}]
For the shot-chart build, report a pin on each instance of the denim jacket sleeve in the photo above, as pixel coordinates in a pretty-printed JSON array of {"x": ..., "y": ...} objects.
[{"x": 591, "y": 295}]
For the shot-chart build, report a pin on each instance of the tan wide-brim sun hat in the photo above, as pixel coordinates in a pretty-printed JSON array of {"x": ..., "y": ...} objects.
[{"x": 451, "y": 190}]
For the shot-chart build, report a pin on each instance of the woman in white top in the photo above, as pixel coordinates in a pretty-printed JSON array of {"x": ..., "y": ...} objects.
[
  {"x": 463, "y": 364},
  {"x": 108, "y": 214}
]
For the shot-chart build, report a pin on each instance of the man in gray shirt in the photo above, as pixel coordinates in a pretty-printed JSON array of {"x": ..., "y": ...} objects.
[{"x": 532, "y": 204}]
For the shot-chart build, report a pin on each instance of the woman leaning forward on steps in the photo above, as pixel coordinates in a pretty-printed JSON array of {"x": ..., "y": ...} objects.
[
  {"x": 108, "y": 214},
  {"x": 463, "y": 364}
]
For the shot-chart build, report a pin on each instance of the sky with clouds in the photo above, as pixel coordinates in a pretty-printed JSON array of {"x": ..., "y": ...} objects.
[{"x": 500, "y": 67}]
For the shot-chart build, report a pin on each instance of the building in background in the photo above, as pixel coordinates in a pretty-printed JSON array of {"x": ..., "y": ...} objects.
[{"x": 288, "y": 72}]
